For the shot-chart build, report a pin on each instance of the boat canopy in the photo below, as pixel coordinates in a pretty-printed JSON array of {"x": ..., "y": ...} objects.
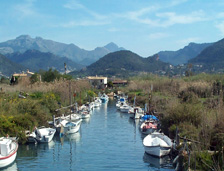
[{"x": 146, "y": 117}]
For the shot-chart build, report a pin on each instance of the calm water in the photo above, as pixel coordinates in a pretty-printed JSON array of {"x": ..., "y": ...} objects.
[{"x": 109, "y": 140}]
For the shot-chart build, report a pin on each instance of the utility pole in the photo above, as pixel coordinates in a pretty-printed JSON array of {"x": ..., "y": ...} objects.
[{"x": 65, "y": 67}]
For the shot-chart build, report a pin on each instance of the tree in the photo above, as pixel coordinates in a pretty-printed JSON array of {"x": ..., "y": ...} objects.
[
  {"x": 51, "y": 75},
  {"x": 34, "y": 78},
  {"x": 110, "y": 84}
]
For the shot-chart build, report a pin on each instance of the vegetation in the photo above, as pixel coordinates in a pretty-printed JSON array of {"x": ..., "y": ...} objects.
[
  {"x": 192, "y": 104},
  {"x": 42, "y": 99}
]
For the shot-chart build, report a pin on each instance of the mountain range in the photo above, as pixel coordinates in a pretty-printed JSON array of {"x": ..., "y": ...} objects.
[
  {"x": 71, "y": 51},
  {"x": 182, "y": 56},
  {"x": 211, "y": 58},
  {"x": 7, "y": 67},
  {"x": 35, "y": 60},
  {"x": 25, "y": 52},
  {"x": 123, "y": 63}
]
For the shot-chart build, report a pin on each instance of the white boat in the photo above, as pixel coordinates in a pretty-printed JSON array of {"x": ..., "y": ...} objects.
[
  {"x": 42, "y": 135},
  {"x": 120, "y": 102},
  {"x": 148, "y": 127},
  {"x": 85, "y": 114},
  {"x": 8, "y": 152},
  {"x": 125, "y": 108},
  {"x": 71, "y": 117},
  {"x": 157, "y": 144},
  {"x": 136, "y": 113},
  {"x": 68, "y": 127},
  {"x": 104, "y": 98},
  {"x": 97, "y": 102}
]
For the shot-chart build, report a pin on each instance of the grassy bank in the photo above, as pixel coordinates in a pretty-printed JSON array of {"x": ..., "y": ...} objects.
[
  {"x": 20, "y": 114},
  {"x": 194, "y": 105}
]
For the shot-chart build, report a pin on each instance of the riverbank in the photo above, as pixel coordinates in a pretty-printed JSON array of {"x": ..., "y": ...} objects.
[{"x": 193, "y": 104}]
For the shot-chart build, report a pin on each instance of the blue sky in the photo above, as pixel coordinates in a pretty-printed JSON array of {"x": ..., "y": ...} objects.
[{"x": 142, "y": 26}]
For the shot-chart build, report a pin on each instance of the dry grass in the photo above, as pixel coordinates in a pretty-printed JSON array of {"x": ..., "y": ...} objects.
[{"x": 61, "y": 87}]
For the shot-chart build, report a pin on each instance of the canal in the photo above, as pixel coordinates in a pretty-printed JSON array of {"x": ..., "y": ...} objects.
[{"x": 108, "y": 140}]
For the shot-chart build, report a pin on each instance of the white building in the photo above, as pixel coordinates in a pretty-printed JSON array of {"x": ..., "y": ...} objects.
[{"x": 98, "y": 82}]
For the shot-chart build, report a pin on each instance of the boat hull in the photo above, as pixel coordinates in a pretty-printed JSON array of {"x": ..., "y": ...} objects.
[
  {"x": 8, "y": 161},
  {"x": 71, "y": 130},
  {"x": 147, "y": 131},
  {"x": 157, "y": 144},
  {"x": 158, "y": 151},
  {"x": 85, "y": 116},
  {"x": 10, "y": 158}
]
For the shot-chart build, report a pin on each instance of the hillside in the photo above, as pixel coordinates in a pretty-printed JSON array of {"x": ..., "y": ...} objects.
[
  {"x": 123, "y": 63},
  {"x": 182, "y": 56},
  {"x": 35, "y": 60},
  {"x": 212, "y": 57},
  {"x": 71, "y": 51},
  {"x": 7, "y": 67}
]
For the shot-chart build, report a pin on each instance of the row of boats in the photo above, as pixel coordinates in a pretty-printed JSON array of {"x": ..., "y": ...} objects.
[
  {"x": 154, "y": 142},
  {"x": 64, "y": 125}
]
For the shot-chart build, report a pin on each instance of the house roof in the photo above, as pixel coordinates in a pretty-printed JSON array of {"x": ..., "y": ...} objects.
[
  {"x": 20, "y": 75},
  {"x": 96, "y": 78},
  {"x": 120, "y": 82}
]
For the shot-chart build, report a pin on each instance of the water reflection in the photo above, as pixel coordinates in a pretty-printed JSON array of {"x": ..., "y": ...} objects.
[
  {"x": 31, "y": 150},
  {"x": 109, "y": 140},
  {"x": 11, "y": 167},
  {"x": 162, "y": 162}
]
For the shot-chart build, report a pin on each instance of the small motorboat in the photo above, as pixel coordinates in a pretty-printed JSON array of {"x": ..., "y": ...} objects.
[
  {"x": 157, "y": 144},
  {"x": 148, "y": 127},
  {"x": 136, "y": 112},
  {"x": 125, "y": 108},
  {"x": 104, "y": 98},
  {"x": 67, "y": 127},
  {"x": 41, "y": 135},
  {"x": 71, "y": 117},
  {"x": 149, "y": 117},
  {"x": 85, "y": 114},
  {"x": 8, "y": 152}
]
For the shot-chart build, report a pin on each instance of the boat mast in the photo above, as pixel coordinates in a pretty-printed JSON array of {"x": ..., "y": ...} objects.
[{"x": 70, "y": 99}]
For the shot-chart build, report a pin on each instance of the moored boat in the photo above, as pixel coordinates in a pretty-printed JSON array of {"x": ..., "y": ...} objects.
[
  {"x": 8, "y": 152},
  {"x": 85, "y": 114},
  {"x": 42, "y": 135},
  {"x": 136, "y": 112},
  {"x": 67, "y": 127},
  {"x": 148, "y": 127},
  {"x": 157, "y": 144},
  {"x": 104, "y": 98},
  {"x": 125, "y": 108}
]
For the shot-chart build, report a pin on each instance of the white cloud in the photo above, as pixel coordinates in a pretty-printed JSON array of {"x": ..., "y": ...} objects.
[
  {"x": 186, "y": 41},
  {"x": 220, "y": 26},
  {"x": 158, "y": 35},
  {"x": 113, "y": 29},
  {"x": 220, "y": 15},
  {"x": 82, "y": 23},
  {"x": 172, "y": 18},
  {"x": 26, "y": 9},
  {"x": 177, "y": 2},
  {"x": 75, "y": 5}
]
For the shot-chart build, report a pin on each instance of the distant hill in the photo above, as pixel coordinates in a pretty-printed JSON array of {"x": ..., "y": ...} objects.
[
  {"x": 211, "y": 57},
  {"x": 7, "y": 67},
  {"x": 71, "y": 51},
  {"x": 183, "y": 55},
  {"x": 35, "y": 60},
  {"x": 123, "y": 63}
]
